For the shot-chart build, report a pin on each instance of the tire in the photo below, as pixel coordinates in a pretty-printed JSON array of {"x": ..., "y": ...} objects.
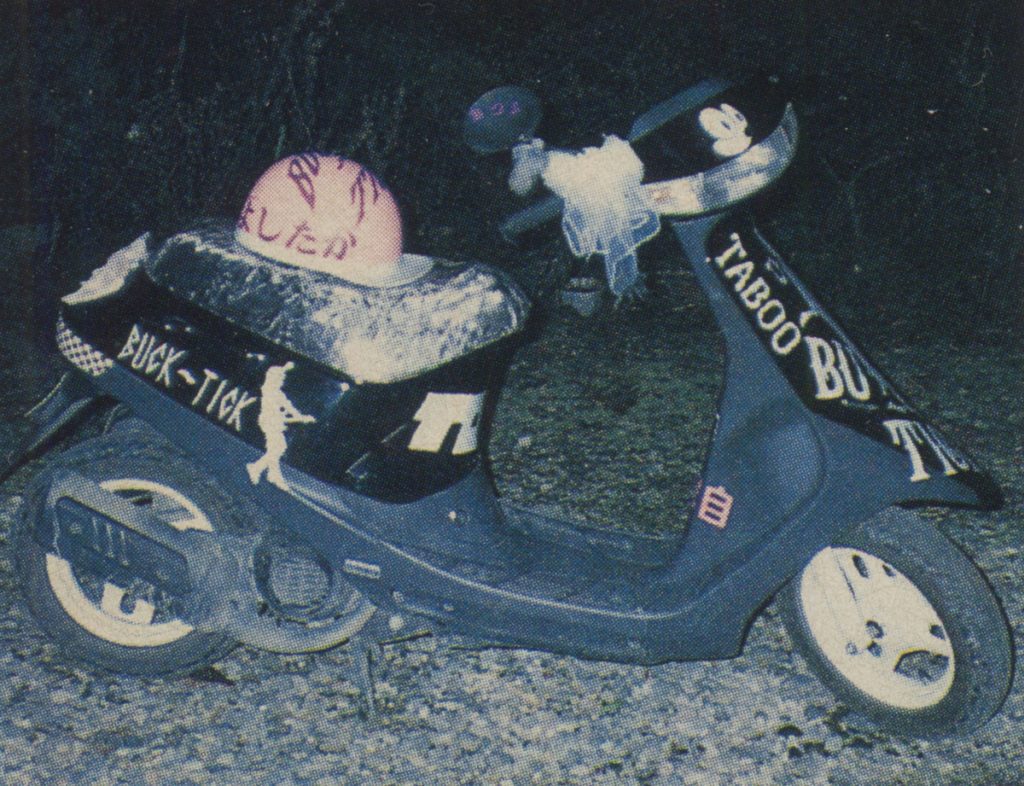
[
  {"x": 84, "y": 614},
  {"x": 902, "y": 627}
]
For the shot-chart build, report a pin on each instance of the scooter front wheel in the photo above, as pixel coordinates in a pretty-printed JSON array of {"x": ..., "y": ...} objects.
[
  {"x": 902, "y": 626},
  {"x": 117, "y": 623}
]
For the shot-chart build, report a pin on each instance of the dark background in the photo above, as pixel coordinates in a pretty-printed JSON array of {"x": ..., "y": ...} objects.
[
  {"x": 903, "y": 211},
  {"x": 904, "y": 208}
]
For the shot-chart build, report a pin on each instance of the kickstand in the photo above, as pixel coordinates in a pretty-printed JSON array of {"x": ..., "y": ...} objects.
[
  {"x": 365, "y": 682},
  {"x": 365, "y": 652}
]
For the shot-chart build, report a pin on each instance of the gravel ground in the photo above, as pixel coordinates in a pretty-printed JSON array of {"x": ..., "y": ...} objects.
[{"x": 583, "y": 427}]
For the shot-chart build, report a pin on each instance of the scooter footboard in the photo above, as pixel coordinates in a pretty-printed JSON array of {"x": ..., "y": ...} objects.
[{"x": 635, "y": 550}]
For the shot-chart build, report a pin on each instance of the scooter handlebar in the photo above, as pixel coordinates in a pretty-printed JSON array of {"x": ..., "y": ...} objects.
[
  {"x": 530, "y": 217},
  {"x": 706, "y": 183},
  {"x": 705, "y": 192},
  {"x": 551, "y": 206}
]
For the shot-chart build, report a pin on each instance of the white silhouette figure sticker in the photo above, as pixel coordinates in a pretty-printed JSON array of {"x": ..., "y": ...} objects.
[
  {"x": 276, "y": 412},
  {"x": 728, "y": 127}
]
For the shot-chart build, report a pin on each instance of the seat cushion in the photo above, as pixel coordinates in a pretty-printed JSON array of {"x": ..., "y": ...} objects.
[{"x": 370, "y": 334}]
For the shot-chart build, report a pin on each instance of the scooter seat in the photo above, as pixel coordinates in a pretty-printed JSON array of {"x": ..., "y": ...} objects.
[{"x": 370, "y": 334}]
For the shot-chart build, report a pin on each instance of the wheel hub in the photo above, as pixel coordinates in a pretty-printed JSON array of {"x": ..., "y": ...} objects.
[{"x": 877, "y": 628}]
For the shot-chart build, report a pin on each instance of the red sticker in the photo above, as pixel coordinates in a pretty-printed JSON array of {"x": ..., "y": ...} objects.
[{"x": 715, "y": 506}]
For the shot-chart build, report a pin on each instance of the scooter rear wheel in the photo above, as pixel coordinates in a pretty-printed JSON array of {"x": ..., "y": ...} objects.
[
  {"x": 123, "y": 628},
  {"x": 902, "y": 626}
]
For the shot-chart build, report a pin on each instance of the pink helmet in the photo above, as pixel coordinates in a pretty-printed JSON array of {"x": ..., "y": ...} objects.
[{"x": 326, "y": 213}]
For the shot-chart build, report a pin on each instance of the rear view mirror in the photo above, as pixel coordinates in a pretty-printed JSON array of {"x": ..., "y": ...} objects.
[{"x": 500, "y": 118}]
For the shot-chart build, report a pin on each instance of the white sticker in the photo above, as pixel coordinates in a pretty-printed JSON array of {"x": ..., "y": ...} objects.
[
  {"x": 835, "y": 373},
  {"x": 276, "y": 412},
  {"x": 912, "y": 435},
  {"x": 150, "y": 356},
  {"x": 756, "y": 297},
  {"x": 728, "y": 127},
  {"x": 436, "y": 416}
]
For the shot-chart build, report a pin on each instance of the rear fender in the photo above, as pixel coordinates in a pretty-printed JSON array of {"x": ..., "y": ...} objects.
[{"x": 59, "y": 411}]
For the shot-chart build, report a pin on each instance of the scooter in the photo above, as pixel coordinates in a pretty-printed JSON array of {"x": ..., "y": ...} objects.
[{"x": 186, "y": 527}]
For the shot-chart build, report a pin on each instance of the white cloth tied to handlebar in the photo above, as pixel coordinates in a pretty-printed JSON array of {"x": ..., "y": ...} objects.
[
  {"x": 607, "y": 211},
  {"x": 529, "y": 160}
]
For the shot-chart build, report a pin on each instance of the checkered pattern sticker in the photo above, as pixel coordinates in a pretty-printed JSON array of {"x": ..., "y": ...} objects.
[{"x": 81, "y": 355}]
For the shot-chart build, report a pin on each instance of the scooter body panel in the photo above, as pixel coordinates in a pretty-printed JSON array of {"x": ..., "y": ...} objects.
[
  {"x": 378, "y": 439},
  {"x": 801, "y": 352}
]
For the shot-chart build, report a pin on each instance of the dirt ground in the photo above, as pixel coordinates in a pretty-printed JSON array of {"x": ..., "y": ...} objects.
[{"x": 604, "y": 418}]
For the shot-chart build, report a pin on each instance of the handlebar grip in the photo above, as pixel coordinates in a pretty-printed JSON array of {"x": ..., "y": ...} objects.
[{"x": 533, "y": 216}]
